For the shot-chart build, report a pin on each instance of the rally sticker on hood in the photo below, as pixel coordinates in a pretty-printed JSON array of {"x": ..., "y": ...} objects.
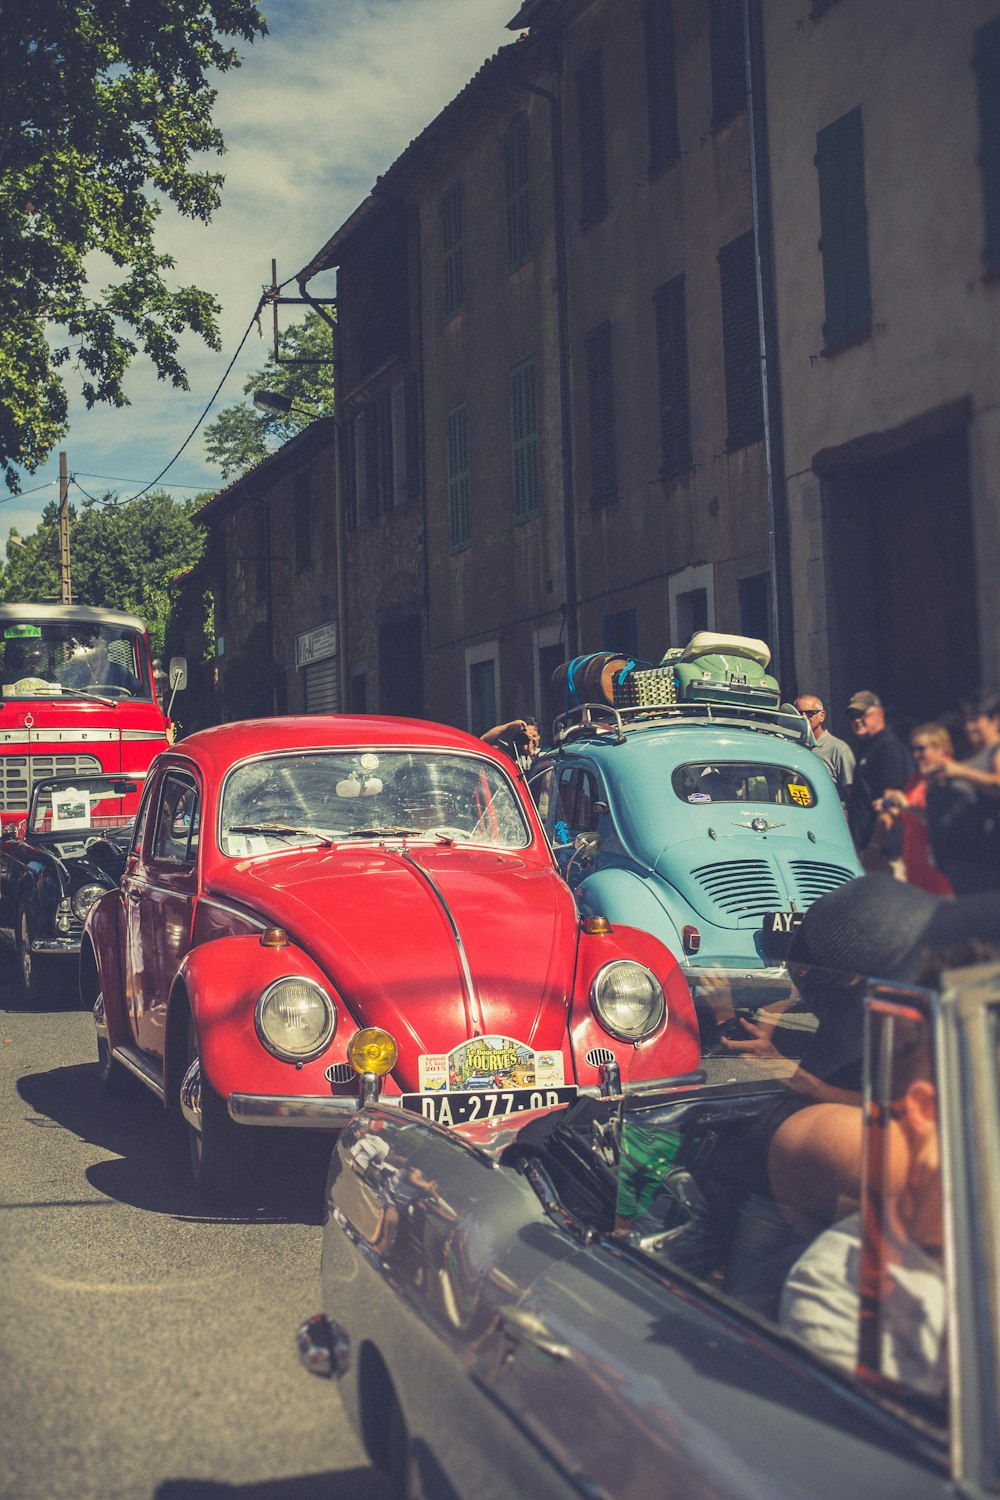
[{"x": 490, "y": 1062}]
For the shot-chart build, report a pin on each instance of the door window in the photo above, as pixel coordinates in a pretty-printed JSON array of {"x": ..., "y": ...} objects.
[
  {"x": 176, "y": 837},
  {"x": 575, "y": 810}
]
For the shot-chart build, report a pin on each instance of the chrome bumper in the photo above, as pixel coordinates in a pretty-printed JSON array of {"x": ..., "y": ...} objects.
[
  {"x": 68, "y": 945},
  {"x": 296, "y": 1111}
]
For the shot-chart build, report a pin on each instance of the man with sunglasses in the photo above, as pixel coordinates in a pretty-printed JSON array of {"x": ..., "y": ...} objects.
[
  {"x": 836, "y": 755},
  {"x": 883, "y": 761}
]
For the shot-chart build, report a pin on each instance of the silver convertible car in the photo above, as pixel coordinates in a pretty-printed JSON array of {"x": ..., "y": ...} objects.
[{"x": 671, "y": 1293}]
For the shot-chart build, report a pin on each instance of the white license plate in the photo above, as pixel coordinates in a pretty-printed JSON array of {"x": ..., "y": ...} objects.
[{"x": 458, "y": 1107}]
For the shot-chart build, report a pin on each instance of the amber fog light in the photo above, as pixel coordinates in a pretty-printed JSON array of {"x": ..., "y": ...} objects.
[
  {"x": 372, "y": 1051},
  {"x": 295, "y": 1019},
  {"x": 628, "y": 1000}
]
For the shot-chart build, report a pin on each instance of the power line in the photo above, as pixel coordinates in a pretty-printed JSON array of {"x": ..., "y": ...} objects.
[{"x": 120, "y": 479}]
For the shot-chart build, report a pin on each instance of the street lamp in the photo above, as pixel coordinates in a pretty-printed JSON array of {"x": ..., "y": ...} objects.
[{"x": 272, "y": 401}]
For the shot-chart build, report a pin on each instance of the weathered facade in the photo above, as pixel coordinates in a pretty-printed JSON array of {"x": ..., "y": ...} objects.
[
  {"x": 884, "y": 125},
  {"x": 271, "y": 564}
]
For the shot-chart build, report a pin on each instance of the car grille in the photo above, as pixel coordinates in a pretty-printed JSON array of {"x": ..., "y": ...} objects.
[
  {"x": 813, "y": 879},
  {"x": 19, "y": 772},
  {"x": 741, "y": 887}
]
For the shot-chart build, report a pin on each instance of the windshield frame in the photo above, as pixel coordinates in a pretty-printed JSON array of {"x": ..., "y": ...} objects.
[{"x": 64, "y": 649}]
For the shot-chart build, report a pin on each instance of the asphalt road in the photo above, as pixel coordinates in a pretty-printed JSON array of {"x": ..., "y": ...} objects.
[{"x": 147, "y": 1347}]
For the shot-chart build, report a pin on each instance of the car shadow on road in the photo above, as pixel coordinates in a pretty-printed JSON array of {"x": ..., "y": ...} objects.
[
  {"x": 345, "y": 1484},
  {"x": 151, "y": 1169}
]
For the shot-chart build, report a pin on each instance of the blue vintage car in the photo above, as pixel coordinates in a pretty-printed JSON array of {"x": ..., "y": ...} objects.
[{"x": 713, "y": 826}]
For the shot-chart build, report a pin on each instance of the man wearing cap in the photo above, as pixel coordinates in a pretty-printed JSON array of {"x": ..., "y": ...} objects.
[{"x": 882, "y": 759}]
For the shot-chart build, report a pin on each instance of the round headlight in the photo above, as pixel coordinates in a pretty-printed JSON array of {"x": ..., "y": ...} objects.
[
  {"x": 295, "y": 1019},
  {"x": 83, "y": 899},
  {"x": 628, "y": 1000}
]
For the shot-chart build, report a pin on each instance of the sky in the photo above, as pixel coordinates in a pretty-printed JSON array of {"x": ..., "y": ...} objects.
[{"x": 321, "y": 106}]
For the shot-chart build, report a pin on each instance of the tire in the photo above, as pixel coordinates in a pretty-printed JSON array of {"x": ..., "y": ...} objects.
[
  {"x": 32, "y": 975},
  {"x": 220, "y": 1156},
  {"x": 116, "y": 1082},
  {"x": 383, "y": 1427}
]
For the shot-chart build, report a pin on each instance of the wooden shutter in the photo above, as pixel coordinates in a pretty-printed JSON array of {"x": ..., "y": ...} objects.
[
  {"x": 590, "y": 99},
  {"x": 844, "y": 229},
  {"x": 725, "y": 44},
  {"x": 601, "y": 413},
  {"x": 524, "y": 440},
  {"x": 458, "y": 478},
  {"x": 517, "y": 199},
  {"x": 987, "y": 62},
  {"x": 411, "y": 401},
  {"x": 451, "y": 244},
  {"x": 371, "y": 461},
  {"x": 661, "y": 84},
  {"x": 741, "y": 341},
  {"x": 672, "y": 364}
]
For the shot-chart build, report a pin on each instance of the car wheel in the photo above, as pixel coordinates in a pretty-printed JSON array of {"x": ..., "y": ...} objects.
[
  {"x": 32, "y": 976},
  {"x": 219, "y": 1150},
  {"x": 116, "y": 1081},
  {"x": 383, "y": 1428}
]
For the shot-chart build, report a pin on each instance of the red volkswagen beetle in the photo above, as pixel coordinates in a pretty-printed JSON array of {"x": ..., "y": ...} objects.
[{"x": 310, "y": 899}]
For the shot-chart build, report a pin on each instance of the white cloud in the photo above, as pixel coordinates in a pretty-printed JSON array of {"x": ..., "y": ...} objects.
[{"x": 320, "y": 107}]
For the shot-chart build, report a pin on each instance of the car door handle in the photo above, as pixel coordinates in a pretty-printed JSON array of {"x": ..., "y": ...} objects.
[
  {"x": 527, "y": 1328},
  {"x": 133, "y": 895}
]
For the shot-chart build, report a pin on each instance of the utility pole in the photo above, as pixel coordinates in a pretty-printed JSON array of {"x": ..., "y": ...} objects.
[{"x": 65, "y": 593}]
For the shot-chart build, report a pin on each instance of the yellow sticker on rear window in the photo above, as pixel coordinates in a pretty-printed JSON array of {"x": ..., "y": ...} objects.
[{"x": 800, "y": 793}]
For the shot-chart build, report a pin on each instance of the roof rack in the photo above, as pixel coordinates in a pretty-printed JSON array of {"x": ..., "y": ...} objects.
[{"x": 594, "y": 719}]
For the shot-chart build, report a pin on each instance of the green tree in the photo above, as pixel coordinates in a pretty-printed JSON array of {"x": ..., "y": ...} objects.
[
  {"x": 241, "y": 434},
  {"x": 122, "y": 556},
  {"x": 104, "y": 104}
]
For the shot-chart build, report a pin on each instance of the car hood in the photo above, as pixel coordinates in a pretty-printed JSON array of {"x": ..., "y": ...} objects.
[{"x": 390, "y": 926}]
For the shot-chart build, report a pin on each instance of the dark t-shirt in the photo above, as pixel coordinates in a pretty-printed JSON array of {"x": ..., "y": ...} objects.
[
  {"x": 964, "y": 828},
  {"x": 883, "y": 762}
]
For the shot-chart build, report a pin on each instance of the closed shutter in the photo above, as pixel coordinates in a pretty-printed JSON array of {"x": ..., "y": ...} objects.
[
  {"x": 411, "y": 399},
  {"x": 601, "y": 413},
  {"x": 987, "y": 61},
  {"x": 672, "y": 362},
  {"x": 458, "y": 478},
  {"x": 741, "y": 341},
  {"x": 322, "y": 689},
  {"x": 661, "y": 84},
  {"x": 517, "y": 214},
  {"x": 844, "y": 229},
  {"x": 590, "y": 98},
  {"x": 524, "y": 440},
  {"x": 725, "y": 43},
  {"x": 451, "y": 244}
]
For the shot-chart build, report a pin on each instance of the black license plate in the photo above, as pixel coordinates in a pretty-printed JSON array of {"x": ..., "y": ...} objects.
[
  {"x": 778, "y": 930},
  {"x": 459, "y": 1108}
]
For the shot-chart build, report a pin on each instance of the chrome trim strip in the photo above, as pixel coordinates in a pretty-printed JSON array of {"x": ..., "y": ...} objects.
[
  {"x": 68, "y": 945},
  {"x": 232, "y": 911},
  {"x": 296, "y": 1111},
  {"x": 477, "y": 1025},
  {"x": 137, "y": 1064},
  {"x": 141, "y": 734},
  {"x": 74, "y": 735}
]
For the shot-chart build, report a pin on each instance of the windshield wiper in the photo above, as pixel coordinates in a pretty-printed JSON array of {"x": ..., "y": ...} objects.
[
  {"x": 280, "y": 830},
  {"x": 76, "y": 692},
  {"x": 390, "y": 830}
]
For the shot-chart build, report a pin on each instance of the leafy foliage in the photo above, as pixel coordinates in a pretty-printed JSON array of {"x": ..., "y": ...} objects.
[
  {"x": 122, "y": 556},
  {"x": 103, "y": 106},
  {"x": 242, "y": 435}
]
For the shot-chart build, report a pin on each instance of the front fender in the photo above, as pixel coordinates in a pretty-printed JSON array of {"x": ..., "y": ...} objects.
[
  {"x": 101, "y": 933},
  {"x": 219, "y": 983},
  {"x": 623, "y": 896},
  {"x": 670, "y": 1051}
]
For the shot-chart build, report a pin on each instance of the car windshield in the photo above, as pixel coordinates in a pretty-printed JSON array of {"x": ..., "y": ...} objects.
[
  {"x": 87, "y": 802},
  {"x": 67, "y": 658},
  {"x": 742, "y": 781},
  {"x": 282, "y": 800}
]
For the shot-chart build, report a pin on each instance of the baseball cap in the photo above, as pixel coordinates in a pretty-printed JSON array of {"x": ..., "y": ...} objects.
[{"x": 863, "y": 701}]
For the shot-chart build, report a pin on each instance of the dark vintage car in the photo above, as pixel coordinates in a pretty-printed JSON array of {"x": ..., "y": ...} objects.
[
  {"x": 602, "y": 1300},
  {"x": 54, "y": 864},
  {"x": 295, "y": 884}
]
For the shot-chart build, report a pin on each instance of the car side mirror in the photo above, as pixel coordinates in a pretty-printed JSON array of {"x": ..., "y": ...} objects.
[
  {"x": 177, "y": 679},
  {"x": 585, "y": 847}
]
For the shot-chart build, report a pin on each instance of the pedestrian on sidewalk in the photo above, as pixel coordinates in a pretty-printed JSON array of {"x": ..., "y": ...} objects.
[
  {"x": 836, "y": 754},
  {"x": 883, "y": 761}
]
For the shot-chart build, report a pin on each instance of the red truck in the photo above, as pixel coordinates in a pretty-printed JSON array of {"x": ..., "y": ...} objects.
[{"x": 79, "y": 697}]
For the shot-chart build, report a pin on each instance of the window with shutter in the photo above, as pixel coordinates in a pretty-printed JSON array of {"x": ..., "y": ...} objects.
[
  {"x": 451, "y": 243},
  {"x": 672, "y": 363},
  {"x": 372, "y": 456},
  {"x": 349, "y": 474},
  {"x": 458, "y": 478},
  {"x": 517, "y": 198},
  {"x": 843, "y": 229},
  {"x": 661, "y": 84},
  {"x": 411, "y": 401},
  {"x": 601, "y": 414},
  {"x": 740, "y": 342},
  {"x": 524, "y": 440},
  {"x": 590, "y": 99},
  {"x": 987, "y": 62},
  {"x": 725, "y": 45}
]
